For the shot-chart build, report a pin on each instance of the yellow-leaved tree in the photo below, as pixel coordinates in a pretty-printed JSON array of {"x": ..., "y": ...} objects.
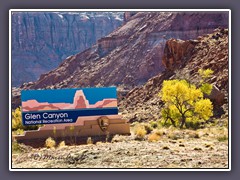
[
  {"x": 17, "y": 121},
  {"x": 184, "y": 102}
]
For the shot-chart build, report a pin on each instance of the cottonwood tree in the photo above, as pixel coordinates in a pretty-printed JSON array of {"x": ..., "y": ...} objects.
[{"x": 184, "y": 102}]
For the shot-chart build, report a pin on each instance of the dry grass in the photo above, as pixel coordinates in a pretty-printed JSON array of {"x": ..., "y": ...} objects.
[
  {"x": 18, "y": 132},
  {"x": 50, "y": 143},
  {"x": 118, "y": 138},
  {"x": 160, "y": 132},
  {"x": 211, "y": 132},
  {"x": 193, "y": 134},
  {"x": 61, "y": 144},
  {"x": 175, "y": 135},
  {"x": 140, "y": 132},
  {"x": 16, "y": 147},
  {"x": 218, "y": 133},
  {"x": 222, "y": 138},
  {"x": 154, "y": 137},
  {"x": 89, "y": 140},
  {"x": 100, "y": 143}
]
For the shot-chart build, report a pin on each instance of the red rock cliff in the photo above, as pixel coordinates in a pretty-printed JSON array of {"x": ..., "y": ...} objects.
[
  {"x": 176, "y": 52},
  {"x": 42, "y": 40},
  {"x": 210, "y": 51},
  {"x": 132, "y": 54}
]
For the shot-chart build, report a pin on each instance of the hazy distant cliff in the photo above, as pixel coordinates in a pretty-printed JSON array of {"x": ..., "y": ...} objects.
[
  {"x": 41, "y": 40},
  {"x": 131, "y": 54}
]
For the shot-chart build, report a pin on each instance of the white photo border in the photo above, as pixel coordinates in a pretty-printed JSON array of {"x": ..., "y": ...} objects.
[{"x": 120, "y": 169}]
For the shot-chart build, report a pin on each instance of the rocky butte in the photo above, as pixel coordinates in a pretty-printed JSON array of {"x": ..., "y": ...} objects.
[
  {"x": 41, "y": 40},
  {"x": 133, "y": 53}
]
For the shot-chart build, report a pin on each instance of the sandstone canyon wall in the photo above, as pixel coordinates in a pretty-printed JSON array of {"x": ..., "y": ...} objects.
[
  {"x": 41, "y": 40},
  {"x": 132, "y": 54},
  {"x": 182, "y": 58}
]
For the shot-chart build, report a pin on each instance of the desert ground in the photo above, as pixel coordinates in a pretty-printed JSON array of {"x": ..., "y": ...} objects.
[{"x": 204, "y": 148}]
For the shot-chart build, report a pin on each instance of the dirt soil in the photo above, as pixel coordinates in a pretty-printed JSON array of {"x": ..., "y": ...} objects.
[{"x": 125, "y": 152}]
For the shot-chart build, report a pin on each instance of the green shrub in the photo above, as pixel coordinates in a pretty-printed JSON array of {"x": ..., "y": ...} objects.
[
  {"x": 222, "y": 138},
  {"x": 148, "y": 128},
  {"x": 154, "y": 124},
  {"x": 16, "y": 148},
  {"x": 164, "y": 123},
  {"x": 192, "y": 124}
]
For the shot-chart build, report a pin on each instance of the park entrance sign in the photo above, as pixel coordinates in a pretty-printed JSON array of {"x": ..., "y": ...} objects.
[
  {"x": 66, "y": 105},
  {"x": 64, "y": 113}
]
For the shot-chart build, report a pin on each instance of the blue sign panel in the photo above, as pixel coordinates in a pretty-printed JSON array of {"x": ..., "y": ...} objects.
[{"x": 56, "y": 106}]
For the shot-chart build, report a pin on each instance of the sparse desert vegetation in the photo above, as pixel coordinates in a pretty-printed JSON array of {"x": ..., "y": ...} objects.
[
  {"x": 183, "y": 137},
  {"x": 163, "y": 147}
]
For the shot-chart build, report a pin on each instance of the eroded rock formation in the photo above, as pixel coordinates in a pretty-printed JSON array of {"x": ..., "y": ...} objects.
[
  {"x": 210, "y": 51},
  {"x": 132, "y": 54},
  {"x": 41, "y": 40},
  {"x": 176, "y": 52}
]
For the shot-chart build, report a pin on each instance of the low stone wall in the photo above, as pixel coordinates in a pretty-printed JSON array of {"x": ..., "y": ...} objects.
[{"x": 76, "y": 133}]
